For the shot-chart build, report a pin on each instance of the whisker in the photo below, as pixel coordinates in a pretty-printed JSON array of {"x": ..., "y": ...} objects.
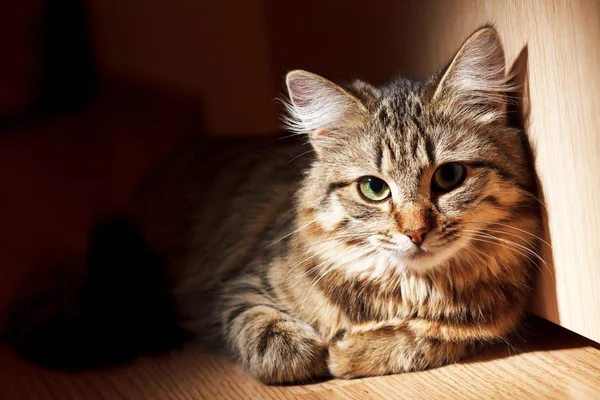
[
  {"x": 468, "y": 249},
  {"x": 293, "y": 135},
  {"x": 479, "y": 257},
  {"x": 290, "y": 234},
  {"x": 300, "y": 155},
  {"x": 511, "y": 234},
  {"x": 511, "y": 227},
  {"x": 505, "y": 241},
  {"x": 513, "y": 249},
  {"x": 533, "y": 196},
  {"x": 297, "y": 265},
  {"x": 323, "y": 263},
  {"x": 502, "y": 245},
  {"x": 333, "y": 239}
]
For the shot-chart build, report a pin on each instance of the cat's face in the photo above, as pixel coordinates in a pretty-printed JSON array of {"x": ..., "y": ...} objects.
[
  {"x": 420, "y": 196},
  {"x": 414, "y": 175}
]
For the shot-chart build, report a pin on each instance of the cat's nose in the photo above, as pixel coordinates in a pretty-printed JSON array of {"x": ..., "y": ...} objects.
[
  {"x": 417, "y": 235},
  {"x": 414, "y": 222}
]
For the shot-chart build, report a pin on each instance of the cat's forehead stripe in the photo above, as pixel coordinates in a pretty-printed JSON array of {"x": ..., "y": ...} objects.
[
  {"x": 430, "y": 150},
  {"x": 379, "y": 154}
]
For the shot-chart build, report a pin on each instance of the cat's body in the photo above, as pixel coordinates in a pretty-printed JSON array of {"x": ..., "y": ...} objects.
[{"x": 360, "y": 257}]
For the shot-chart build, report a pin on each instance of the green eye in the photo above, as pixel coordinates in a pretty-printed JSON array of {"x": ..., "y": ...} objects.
[
  {"x": 373, "y": 189},
  {"x": 448, "y": 177}
]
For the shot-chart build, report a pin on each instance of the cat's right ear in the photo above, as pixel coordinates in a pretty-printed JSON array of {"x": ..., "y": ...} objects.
[
  {"x": 475, "y": 83},
  {"x": 321, "y": 109}
]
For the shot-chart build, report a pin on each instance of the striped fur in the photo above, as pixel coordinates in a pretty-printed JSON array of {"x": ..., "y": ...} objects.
[
  {"x": 274, "y": 253},
  {"x": 309, "y": 277}
]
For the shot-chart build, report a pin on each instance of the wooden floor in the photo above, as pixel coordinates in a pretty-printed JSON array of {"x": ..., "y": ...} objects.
[{"x": 551, "y": 364}]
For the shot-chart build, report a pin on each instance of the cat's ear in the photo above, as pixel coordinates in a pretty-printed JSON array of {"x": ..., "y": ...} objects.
[
  {"x": 475, "y": 83},
  {"x": 321, "y": 109}
]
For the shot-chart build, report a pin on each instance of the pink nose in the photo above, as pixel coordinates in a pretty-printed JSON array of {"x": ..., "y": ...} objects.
[{"x": 417, "y": 235}]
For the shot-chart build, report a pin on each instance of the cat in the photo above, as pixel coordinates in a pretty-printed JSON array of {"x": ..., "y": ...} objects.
[{"x": 400, "y": 236}]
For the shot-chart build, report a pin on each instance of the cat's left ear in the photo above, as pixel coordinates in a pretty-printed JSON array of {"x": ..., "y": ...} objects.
[
  {"x": 324, "y": 111},
  {"x": 475, "y": 84}
]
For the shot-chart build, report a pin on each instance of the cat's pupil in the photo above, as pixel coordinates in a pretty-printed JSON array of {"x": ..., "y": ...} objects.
[
  {"x": 376, "y": 185},
  {"x": 448, "y": 173}
]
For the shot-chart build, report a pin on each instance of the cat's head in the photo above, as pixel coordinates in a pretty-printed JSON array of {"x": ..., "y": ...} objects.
[{"x": 414, "y": 173}]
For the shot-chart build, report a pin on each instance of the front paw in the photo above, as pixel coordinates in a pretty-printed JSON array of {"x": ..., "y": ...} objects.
[
  {"x": 346, "y": 360},
  {"x": 368, "y": 353},
  {"x": 388, "y": 351},
  {"x": 285, "y": 351}
]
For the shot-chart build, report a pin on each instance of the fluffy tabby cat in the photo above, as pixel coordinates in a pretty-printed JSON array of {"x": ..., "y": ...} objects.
[{"x": 403, "y": 242}]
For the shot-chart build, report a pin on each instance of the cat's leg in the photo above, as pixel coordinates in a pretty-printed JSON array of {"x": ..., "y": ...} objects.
[
  {"x": 268, "y": 342},
  {"x": 390, "y": 350}
]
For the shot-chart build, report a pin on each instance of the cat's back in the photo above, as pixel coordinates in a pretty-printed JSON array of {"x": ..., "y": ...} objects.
[{"x": 214, "y": 200}]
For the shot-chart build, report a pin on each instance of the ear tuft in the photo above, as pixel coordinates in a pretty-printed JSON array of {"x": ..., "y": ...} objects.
[
  {"x": 320, "y": 109},
  {"x": 475, "y": 83}
]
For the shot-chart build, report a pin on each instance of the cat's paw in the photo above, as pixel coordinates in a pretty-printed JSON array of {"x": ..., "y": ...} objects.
[
  {"x": 343, "y": 359},
  {"x": 388, "y": 350},
  {"x": 286, "y": 351},
  {"x": 355, "y": 355}
]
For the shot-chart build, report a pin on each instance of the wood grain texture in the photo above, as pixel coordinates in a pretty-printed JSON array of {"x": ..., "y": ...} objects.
[{"x": 553, "y": 364}]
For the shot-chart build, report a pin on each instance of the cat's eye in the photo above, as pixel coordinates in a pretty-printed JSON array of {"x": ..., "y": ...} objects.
[
  {"x": 448, "y": 176},
  {"x": 373, "y": 188}
]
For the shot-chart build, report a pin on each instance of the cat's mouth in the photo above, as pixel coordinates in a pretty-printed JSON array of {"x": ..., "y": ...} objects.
[
  {"x": 406, "y": 254},
  {"x": 404, "y": 249},
  {"x": 411, "y": 253},
  {"x": 423, "y": 257}
]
